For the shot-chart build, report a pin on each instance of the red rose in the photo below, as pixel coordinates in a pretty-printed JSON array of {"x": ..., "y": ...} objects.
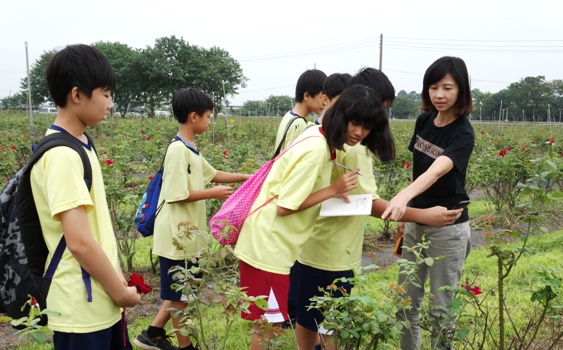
[
  {"x": 149, "y": 138},
  {"x": 14, "y": 147},
  {"x": 482, "y": 133},
  {"x": 474, "y": 290},
  {"x": 552, "y": 140},
  {"x": 225, "y": 154},
  {"x": 139, "y": 282},
  {"x": 109, "y": 162},
  {"x": 150, "y": 178},
  {"x": 407, "y": 165},
  {"x": 502, "y": 153},
  {"x": 33, "y": 301}
]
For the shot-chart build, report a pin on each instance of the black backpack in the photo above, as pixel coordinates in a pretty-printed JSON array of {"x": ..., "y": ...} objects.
[{"x": 23, "y": 251}]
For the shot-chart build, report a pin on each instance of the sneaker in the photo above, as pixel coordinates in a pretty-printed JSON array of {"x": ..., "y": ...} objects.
[{"x": 143, "y": 341}]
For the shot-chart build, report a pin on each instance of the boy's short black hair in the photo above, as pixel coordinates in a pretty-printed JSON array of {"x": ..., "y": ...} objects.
[
  {"x": 310, "y": 81},
  {"x": 81, "y": 66},
  {"x": 362, "y": 105},
  {"x": 187, "y": 100},
  {"x": 335, "y": 84},
  {"x": 377, "y": 80},
  {"x": 456, "y": 67}
]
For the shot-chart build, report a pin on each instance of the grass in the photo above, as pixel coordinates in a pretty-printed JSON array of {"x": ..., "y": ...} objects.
[{"x": 479, "y": 268}]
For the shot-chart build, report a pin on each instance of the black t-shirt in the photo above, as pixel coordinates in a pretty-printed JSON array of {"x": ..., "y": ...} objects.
[{"x": 455, "y": 141}]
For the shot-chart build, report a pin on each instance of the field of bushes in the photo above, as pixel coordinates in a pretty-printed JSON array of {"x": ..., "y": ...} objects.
[{"x": 516, "y": 169}]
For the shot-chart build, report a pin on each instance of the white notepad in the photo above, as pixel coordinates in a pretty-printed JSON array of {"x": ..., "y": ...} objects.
[{"x": 360, "y": 204}]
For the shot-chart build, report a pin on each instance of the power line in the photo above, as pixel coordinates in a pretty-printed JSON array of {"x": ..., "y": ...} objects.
[
  {"x": 474, "y": 45},
  {"x": 477, "y": 40}
]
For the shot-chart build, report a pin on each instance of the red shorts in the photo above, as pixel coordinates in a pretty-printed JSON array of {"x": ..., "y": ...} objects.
[{"x": 275, "y": 286}]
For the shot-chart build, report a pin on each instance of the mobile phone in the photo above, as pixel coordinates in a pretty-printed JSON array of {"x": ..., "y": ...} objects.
[
  {"x": 398, "y": 250},
  {"x": 462, "y": 204}
]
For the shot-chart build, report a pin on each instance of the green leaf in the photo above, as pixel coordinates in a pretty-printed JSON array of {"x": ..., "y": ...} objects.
[
  {"x": 38, "y": 337},
  {"x": 46, "y": 330},
  {"x": 50, "y": 313}
]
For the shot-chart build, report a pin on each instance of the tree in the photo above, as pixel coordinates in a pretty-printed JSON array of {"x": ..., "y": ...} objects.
[
  {"x": 162, "y": 69},
  {"x": 406, "y": 105},
  {"x": 172, "y": 64},
  {"x": 479, "y": 99},
  {"x": 17, "y": 101},
  {"x": 253, "y": 108},
  {"x": 223, "y": 77},
  {"x": 123, "y": 60},
  {"x": 38, "y": 79},
  {"x": 279, "y": 105},
  {"x": 530, "y": 94}
]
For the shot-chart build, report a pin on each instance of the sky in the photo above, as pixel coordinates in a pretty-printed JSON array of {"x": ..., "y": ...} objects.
[{"x": 501, "y": 41}]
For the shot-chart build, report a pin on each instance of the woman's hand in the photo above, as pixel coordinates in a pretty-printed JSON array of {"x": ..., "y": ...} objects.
[{"x": 396, "y": 207}]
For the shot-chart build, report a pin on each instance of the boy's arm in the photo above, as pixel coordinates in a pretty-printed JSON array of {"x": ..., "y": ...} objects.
[
  {"x": 345, "y": 183},
  {"x": 93, "y": 259},
  {"x": 224, "y": 177},
  {"x": 435, "y": 216},
  {"x": 216, "y": 192}
]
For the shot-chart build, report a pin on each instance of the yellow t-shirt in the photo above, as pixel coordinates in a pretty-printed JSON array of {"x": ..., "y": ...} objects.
[
  {"x": 296, "y": 129},
  {"x": 185, "y": 170},
  {"x": 270, "y": 242},
  {"x": 57, "y": 182},
  {"x": 336, "y": 242}
]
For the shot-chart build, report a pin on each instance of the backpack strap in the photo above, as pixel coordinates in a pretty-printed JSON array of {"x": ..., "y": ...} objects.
[
  {"x": 63, "y": 139},
  {"x": 278, "y": 150},
  {"x": 38, "y": 247},
  {"x": 189, "y": 146}
]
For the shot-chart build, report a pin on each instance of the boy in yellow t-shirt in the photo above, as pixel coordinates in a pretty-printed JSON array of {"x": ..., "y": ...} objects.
[
  {"x": 80, "y": 81},
  {"x": 308, "y": 99},
  {"x": 186, "y": 173}
]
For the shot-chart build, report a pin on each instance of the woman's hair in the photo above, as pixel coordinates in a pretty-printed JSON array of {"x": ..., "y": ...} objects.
[
  {"x": 436, "y": 72},
  {"x": 362, "y": 105}
]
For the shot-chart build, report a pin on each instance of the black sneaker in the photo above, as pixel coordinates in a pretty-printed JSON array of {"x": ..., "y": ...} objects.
[{"x": 143, "y": 341}]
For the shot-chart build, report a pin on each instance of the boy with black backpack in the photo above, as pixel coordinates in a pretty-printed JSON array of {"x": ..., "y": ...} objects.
[{"x": 88, "y": 288}]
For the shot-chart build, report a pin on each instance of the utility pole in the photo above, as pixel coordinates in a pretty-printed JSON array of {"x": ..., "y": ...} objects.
[
  {"x": 30, "y": 111},
  {"x": 381, "y": 52}
]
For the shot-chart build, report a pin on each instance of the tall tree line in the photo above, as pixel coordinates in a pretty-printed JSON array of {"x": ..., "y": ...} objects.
[{"x": 147, "y": 77}]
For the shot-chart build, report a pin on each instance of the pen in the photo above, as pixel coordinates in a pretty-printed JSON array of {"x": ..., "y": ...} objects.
[{"x": 345, "y": 167}]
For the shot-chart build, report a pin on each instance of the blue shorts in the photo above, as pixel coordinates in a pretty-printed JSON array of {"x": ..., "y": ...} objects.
[
  {"x": 113, "y": 338},
  {"x": 309, "y": 279},
  {"x": 166, "y": 279}
]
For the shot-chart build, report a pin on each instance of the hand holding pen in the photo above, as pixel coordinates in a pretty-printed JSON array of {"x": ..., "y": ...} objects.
[{"x": 345, "y": 167}]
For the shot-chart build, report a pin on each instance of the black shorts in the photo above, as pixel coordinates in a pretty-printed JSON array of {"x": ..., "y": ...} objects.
[
  {"x": 114, "y": 338},
  {"x": 309, "y": 279},
  {"x": 166, "y": 279}
]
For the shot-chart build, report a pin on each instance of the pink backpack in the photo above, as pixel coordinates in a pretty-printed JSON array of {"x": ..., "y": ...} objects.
[{"x": 225, "y": 225}]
